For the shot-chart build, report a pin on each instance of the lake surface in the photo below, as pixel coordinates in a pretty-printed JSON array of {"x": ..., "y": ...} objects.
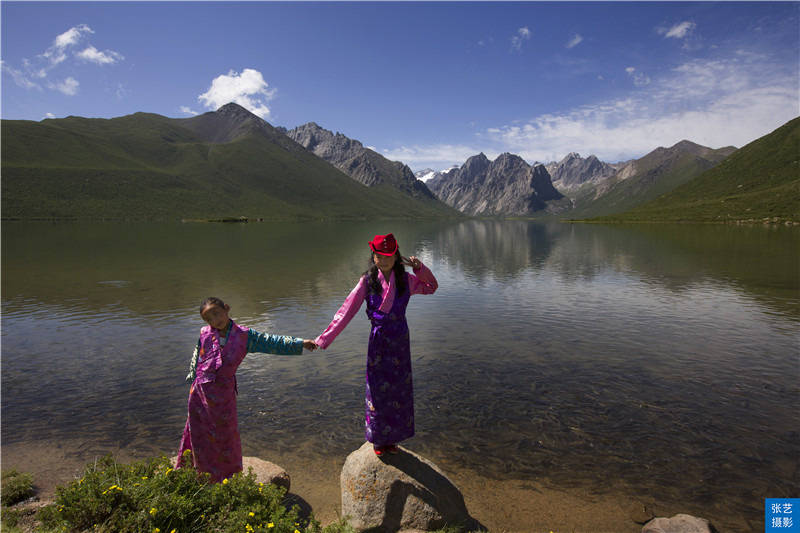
[{"x": 661, "y": 361}]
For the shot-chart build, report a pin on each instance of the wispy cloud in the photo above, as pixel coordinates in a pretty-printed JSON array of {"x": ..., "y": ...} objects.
[
  {"x": 575, "y": 41},
  {"x": 639, "y": 78},
  {"x": 19, "y": 77},
  {"x": 678, "y": 31},
  {"x": 69, "y": 86},
  {"x": 523, "y": 34},
  {"x": 56, "y": 53},
  {"x": 55, "y": 56},
  {"x": 188, "y": 111},
  {"x": 436, "y": 156},
  {"x": 713, "y": 102},
  {"x": 48, "y": 115},
  {"x": 93, "y": 55},
  {"x": 247, "y": 89}
]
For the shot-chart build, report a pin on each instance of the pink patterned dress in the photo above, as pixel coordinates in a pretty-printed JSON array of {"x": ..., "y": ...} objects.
[{"x": 212, "y": 427}]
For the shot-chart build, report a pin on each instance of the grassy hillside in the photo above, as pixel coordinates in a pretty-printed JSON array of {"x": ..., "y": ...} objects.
[
  {"x": 149, "y": 166},
  {"x": 760, "y": 181},
  {"x": 657, "y": 173}
]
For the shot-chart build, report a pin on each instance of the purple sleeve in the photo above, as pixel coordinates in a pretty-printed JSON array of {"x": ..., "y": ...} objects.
[{"x": 343, "y": 316}]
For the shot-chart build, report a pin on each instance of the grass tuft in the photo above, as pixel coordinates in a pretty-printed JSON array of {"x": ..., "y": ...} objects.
[{"x": 16, "y": 487}]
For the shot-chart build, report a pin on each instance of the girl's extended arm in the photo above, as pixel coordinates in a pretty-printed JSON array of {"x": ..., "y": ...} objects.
[
  {"x": 277, "y": 344},
  {"x": 343, "y": 316}
]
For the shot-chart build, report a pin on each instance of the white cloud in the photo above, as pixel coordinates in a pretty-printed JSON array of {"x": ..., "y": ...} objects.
[
  {"x": 19, "y": 77},
  {"x": 523, "y": 34},
  {"x": 247, "y": 89},
  {"x": 639, "y": 78},
  {"x": 678, "y": 31},
  {"x": 188, "y": 111},
  {"x": 435, "y": 156},
  {"x": 715, "y": 103},
  {"x": 94, "y": 55},
  {"x": 69, "y": 86},
  {"x": 57, "y": 52},
  {"x": 48, "y": 115},
  {"x": 575, "y": 41},
  {"x": 71, "y": 36}
]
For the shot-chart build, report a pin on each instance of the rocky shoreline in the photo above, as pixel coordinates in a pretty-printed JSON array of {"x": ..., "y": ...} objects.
[{"x": 408, "y": 492}]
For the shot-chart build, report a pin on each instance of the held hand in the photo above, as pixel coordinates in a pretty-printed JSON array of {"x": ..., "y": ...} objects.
[
  {"x": 309, "y": 345},
  {"x": 412, "y": 261}
]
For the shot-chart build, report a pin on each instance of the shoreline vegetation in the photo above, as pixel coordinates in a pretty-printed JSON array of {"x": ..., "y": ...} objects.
[
  {"x": 610, "y": 220},
  {"x": 110, "y": 493},
  {"x": 151, "y": 495}
]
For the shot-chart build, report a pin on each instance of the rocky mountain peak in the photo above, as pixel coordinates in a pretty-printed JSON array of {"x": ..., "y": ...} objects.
[
  {"x": 232, "y": 109},
  {"x": 476, "y": 163},
  {"x": 362, "y": 164},
  {"x": 506, "y": 186},
  {"x": 231, "y": 122}
]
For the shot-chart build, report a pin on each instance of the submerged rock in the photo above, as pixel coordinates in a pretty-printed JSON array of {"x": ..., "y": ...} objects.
[
  {"x": 680, "y": 523},
  {"x": 402, "y": 491}
]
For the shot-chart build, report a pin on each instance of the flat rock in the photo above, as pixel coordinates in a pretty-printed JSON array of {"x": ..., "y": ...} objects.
[
  {"x": 267, "y": 472},
  {"x": 399, "y": 492},
  {"x": 680, "y": 523}
]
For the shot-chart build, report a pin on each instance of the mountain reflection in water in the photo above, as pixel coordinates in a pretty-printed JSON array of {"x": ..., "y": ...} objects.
[{"x": 660, "y": 360}]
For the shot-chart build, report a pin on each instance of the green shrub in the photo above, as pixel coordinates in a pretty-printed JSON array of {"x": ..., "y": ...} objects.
[
  {"x": 16, "y": 487},
  {"x": 150, "y": 496}
]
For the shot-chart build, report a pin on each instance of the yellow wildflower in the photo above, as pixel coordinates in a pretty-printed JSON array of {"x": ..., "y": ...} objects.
[
  {"x": 295, "y": 531},
  {"x": 270, "y": 525},
  {"x": 144, "y": 477},
  {"x": 251, "y": 513},
  {"x": 225, "y": 481},
  {"x": 153, "y": 510},
  {"x": 174, "y": 531}
]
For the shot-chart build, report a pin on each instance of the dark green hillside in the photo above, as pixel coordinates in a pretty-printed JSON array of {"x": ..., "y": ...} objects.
[
  {"x": 223, "y": 164},
  {"x": 657, "y": 173},
  {"x": 760, "y": 181}
]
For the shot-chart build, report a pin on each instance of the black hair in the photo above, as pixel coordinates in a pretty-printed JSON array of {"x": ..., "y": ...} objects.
[
  {"x": 374, "y": 286},
  {"x": 212, "y": 301}
]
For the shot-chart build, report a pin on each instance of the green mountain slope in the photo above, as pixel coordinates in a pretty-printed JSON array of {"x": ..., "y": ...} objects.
[
  {"x": 657, "y": 173},
  {"x": 759, "y": 181},
  {"x": 221, "y": 164}
]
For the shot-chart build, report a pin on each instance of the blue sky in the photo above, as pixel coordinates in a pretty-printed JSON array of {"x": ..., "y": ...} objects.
[{"x": 429, "y": 84}]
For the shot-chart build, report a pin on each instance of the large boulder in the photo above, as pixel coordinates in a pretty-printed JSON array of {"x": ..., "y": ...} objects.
[
  {"x": 680, "y": 523},
  {"x": 402, "y": 491}
]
